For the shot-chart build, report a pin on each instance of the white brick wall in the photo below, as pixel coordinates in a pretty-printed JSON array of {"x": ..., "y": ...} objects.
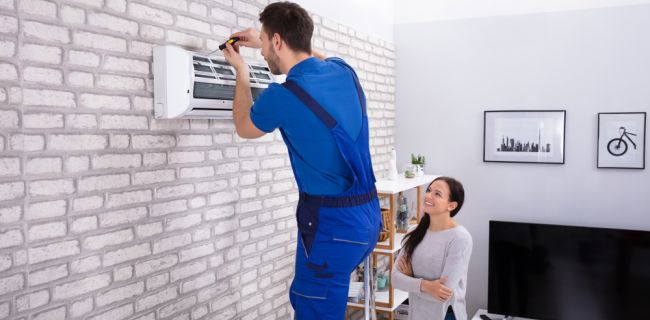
[{"x": 106, "y": 213}]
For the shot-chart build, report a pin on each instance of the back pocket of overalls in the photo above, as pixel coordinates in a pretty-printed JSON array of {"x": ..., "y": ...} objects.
[
  {"x": 309, "y": 289},
  {"x": 352, "y": 235}
]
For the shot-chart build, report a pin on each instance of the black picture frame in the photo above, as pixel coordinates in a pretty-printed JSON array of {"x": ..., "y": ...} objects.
[
  {"x": 621, "y": 140},
  {"x": 524, "y": 136}
]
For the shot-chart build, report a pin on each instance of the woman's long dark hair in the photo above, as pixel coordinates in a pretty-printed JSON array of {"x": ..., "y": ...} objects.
[{"x": 413, "y": 238}]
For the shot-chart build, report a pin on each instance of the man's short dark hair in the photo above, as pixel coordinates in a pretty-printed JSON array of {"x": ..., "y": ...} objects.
[{"x": 291, "y": 22}]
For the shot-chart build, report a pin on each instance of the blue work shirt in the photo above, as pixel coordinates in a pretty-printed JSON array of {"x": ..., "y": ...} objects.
[{"x": 317, "y": 163}]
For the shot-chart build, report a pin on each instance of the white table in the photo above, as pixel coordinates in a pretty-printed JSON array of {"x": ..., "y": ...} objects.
[{"x": 401, "y": 183}]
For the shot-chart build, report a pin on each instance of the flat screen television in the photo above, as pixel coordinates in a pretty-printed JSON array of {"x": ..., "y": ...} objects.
[{"x": 558, "y": 272}]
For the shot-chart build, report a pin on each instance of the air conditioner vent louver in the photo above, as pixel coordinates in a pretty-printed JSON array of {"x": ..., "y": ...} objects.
[
  {"x": 190, "y": 85},
  {"x": 216, "y": 69},
  {"x": 195, "y": 58}
]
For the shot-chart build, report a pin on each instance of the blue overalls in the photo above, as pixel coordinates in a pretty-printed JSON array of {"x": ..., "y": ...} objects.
[{"x": 335, "y": 233}]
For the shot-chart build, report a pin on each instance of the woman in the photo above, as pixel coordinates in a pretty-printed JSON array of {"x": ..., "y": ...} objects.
[{"x": 432, "y": 266}]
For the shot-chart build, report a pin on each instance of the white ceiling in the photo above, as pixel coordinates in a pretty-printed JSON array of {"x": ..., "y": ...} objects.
[
  {"x": 371, "y": 17},
  {"x": 409, "y": 11},
  {"x": 377, "y": 18}
]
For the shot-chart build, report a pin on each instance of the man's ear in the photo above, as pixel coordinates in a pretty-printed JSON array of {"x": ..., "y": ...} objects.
[{"x": 276, "y": 41}]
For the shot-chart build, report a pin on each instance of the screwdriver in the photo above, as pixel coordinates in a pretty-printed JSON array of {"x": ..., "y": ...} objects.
[{"x": 223, "y": 45}]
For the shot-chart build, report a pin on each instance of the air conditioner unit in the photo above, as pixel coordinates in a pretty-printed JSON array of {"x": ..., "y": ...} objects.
[{"x": 189, "y": 85}]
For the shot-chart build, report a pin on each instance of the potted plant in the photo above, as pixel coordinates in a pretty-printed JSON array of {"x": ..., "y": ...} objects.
[{"x": 418, "y": 162}]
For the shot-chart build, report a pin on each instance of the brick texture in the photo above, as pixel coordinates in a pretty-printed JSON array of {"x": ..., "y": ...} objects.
[{"x": 108, "y": 213}]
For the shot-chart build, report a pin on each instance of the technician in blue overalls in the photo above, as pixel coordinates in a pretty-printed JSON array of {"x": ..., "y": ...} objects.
[{"x": 321, "y": 113}]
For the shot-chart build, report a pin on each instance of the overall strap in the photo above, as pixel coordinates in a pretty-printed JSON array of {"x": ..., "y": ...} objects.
[
  {"x": 316, "y": 108},
  {"x": 311, "y": 103}
]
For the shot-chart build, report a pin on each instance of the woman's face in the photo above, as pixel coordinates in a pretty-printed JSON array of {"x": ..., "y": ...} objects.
[{"x": 436, "y": 199}]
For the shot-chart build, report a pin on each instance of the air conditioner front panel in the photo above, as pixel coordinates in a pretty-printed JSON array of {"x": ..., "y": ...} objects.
[
  {"x": 207, "y": 104},
  {"x": 208, "y": 114}
]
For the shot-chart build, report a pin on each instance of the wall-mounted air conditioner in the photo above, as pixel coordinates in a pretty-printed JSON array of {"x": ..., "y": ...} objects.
[{"x": 190, "y": 85}]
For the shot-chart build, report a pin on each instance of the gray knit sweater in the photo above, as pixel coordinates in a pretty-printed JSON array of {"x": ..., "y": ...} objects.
[{"x": 441, "y": 253}]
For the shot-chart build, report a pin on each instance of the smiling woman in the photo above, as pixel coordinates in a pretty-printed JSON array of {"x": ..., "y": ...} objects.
[{"x": 433, "y": 264}]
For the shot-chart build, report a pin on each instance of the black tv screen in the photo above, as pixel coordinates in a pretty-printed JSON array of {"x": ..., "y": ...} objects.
[{"x": 563, "y": 272}]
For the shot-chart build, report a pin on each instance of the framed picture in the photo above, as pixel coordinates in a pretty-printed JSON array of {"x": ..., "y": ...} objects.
[
  {"x": 621, "y": 140},
  {"x": 524, "y": 136}
]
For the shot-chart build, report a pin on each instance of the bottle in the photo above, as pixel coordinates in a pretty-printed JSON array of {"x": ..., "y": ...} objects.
[
  {"x": 402, "y": 215},
  {"x": 392, "y": 166}
]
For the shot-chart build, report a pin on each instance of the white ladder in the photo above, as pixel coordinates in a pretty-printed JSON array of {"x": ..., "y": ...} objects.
[{"x": 369, "y": 310}]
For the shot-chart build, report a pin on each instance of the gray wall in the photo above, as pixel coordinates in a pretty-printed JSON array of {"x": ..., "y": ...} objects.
[
  {"x": 107, "y": 213},
  {"x": 590, "y": 61}
]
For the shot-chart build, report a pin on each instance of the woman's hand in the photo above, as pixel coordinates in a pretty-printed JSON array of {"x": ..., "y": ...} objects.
[
  {"x": 436, "y": 288},
  {"x": 248, "y": 38},
  {"x": 405, "y": 267}
]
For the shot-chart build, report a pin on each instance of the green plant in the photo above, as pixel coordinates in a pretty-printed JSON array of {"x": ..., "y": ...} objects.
[{"x": 419, "y": 159}]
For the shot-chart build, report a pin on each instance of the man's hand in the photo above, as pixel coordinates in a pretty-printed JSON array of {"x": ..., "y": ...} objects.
[
  {"x": 235, "y": 59},
  {"x": 248, "y": 38},
  {"x": 436, "y": 288},
  {"x": 404, "y": 267},
  {"x": 243, "y": 100}
]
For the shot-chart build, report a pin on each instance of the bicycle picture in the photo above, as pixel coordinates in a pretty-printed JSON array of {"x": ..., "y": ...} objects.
[
  {"x": 617, "y": 146},
  {"x": 621, "y": 140}
]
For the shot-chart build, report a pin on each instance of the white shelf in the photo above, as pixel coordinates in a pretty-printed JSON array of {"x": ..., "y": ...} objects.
[
  {"x": 402, "y": 184},
  {"x": 398, "y": 241},
  {"x": 399, "y": 297}
]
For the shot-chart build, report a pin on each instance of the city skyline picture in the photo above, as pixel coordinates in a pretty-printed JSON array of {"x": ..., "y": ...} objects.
[
  {"x": 509, "y": 144},
  {"x": 524, "y": 136}
]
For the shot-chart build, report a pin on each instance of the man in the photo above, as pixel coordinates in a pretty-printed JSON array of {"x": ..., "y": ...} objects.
[{"x": 321, "y": 113}]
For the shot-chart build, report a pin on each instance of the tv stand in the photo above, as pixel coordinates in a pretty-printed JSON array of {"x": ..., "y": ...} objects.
[{"x": 479, "y": 312}]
